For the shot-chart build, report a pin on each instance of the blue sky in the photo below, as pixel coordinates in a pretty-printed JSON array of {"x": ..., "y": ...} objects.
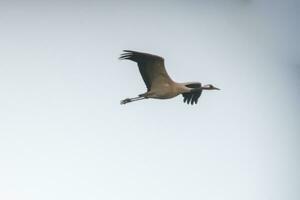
[{"x": 63, "y": 134}]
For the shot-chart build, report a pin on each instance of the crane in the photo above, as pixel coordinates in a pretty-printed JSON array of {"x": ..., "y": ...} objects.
[{"x": 158, "y": 82}]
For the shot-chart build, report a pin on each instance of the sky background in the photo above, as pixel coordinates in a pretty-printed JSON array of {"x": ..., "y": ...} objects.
[{"x": 64, "y": 135}]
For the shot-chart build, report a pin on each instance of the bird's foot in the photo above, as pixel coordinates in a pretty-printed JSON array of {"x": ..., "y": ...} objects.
[{"x": 125, "y": 101}]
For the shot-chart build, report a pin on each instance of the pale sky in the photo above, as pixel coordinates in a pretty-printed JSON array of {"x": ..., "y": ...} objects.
[{"x": 64, "y": 135}]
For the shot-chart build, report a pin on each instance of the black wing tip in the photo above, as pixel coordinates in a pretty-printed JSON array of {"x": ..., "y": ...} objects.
[
  {"x": 127, "y": 55},
  {"x": 191, "y": 102},
  {"x": 130, "y": 53},
  {"x": 126, "y": 50},
  {"x": 190, "y": 99}
]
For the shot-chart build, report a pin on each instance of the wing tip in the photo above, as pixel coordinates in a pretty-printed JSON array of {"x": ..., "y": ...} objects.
[
  {"x": 127, "y": 55},
  {"x": 126, "y": 50},
  {"x": 131, "y": 53},
  {"x": 190, "y": 100}
]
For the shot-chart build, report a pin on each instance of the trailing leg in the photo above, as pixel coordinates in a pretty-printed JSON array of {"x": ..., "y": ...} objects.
[{"x": 128, "y": 100}]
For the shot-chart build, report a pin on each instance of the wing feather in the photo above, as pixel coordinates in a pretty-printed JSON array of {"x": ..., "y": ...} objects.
[
  {"x": 193, "y": 96},
  {"x": 151, "y": 67}
]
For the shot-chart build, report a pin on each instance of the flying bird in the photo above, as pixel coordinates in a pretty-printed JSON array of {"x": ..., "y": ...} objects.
[{"x": 158, "y": 82}]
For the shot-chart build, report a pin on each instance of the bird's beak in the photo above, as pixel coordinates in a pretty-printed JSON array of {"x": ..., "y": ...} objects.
[{"x": 217, "y": 88}]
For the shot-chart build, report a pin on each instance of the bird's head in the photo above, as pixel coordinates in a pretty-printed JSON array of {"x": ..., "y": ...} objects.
[{"x": 209, "y": 87}]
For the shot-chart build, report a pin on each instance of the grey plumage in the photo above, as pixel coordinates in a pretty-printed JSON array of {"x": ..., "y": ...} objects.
[{"x": 159, "y": 84}]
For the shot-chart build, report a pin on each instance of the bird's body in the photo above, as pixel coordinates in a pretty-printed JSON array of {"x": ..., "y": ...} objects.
[
  {"x": 158, "y": 82},
  {"x": 165, "y": 91}
]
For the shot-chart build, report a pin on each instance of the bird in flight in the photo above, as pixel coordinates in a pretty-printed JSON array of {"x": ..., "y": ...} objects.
[{"x": 158, "y": 82}]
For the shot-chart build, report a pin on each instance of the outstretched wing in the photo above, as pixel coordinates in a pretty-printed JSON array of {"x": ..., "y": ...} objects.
[
  {"x": 193, "y": 96},
  {"x": 151, "y": 67}
]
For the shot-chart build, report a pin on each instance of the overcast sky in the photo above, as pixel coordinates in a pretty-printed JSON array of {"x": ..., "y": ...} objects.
[{"x": 64, "y": 135}]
